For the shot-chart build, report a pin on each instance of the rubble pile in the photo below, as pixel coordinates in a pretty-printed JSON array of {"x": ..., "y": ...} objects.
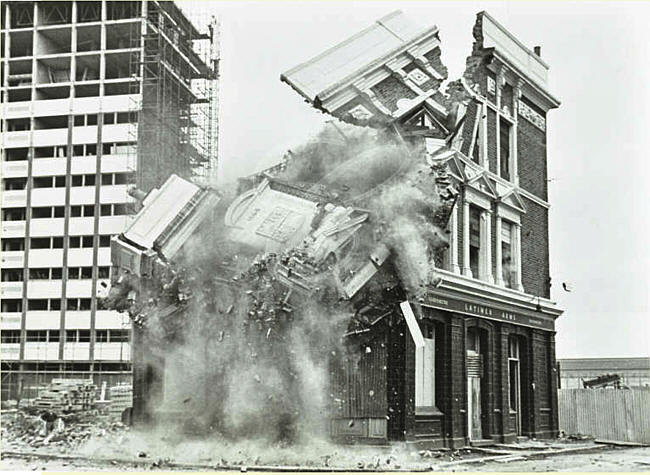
[
  {"x": 121, "y": 398},
  {"x": 22, "y": 429},
  {"x": 67, "y": 395}
]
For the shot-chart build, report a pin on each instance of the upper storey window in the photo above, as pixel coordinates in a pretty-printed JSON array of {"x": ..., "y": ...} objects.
[
  {"x": 505, "y": 146},
  {"x": 474, "y": 240},
  {"x": 508, "y": 268}
]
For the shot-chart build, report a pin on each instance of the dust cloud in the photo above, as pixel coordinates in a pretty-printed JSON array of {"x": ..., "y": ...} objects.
[{"x": 243, "y": 357}]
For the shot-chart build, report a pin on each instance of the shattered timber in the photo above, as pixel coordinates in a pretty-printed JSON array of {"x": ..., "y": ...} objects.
[{"x": 389, "y": 282}]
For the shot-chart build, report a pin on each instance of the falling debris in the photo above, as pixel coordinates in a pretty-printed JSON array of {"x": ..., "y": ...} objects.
[
  {"x": 301, "y": 281},
  {"x": 284, "y": 308}
]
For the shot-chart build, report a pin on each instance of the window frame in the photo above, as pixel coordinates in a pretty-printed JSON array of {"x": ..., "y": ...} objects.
[
  {"x": 10, "y": 337},
  {"x": 505, "y": 213},
  {"x": 511, "y": 128},
  {"x": 121, "y": 335},
  {"x": 36, "y": 336},
  {"x": 511, "y": 282},
  {"x": 38, "y": 305},
  {"x": 514, "y": 357},
  {"x": 473, "y": 209}
]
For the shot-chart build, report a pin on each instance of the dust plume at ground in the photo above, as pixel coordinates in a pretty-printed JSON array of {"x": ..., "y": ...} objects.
[{"x": 243, "y": 355}]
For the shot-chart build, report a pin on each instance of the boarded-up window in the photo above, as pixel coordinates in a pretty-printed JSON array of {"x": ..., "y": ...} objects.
[{"x": 425, "y": 370}]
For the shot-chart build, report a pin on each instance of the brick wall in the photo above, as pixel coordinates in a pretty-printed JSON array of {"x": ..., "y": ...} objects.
[
  {"x": 531, "y": 158},
  {"x": 492, "y": 140},
  {"x": 391, "y": 90},
  {"x": 359, "y": 100},
  {"x": 552, "y": 385},
  {"x": 493, "y": 244},
  {"x": 534, "y": 249},
  {"x": 431, "y": 83},
  {"x": 408, "y": 379},
  {"x": 457, "y": 399},
  {"x": 395, "y": 378},
  {"x": 501, "y": 392},
  {"x": 491, "y": 96},
  {"x": 468, "y": 127},
  {"x": 539, "y": 405},
  {"x": 436, "y": 61},
  {"x": 459, "y": 231}
]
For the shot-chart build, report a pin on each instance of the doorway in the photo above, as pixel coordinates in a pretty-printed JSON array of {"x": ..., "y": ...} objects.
[
  {"x": 514, "y": 382},
  {"x": 474, "y": 371}
]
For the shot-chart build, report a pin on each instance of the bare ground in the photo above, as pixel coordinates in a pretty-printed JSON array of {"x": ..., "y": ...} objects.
[
  {"x": 200, "y": 455},
  {"x": 96, "y": 443}
]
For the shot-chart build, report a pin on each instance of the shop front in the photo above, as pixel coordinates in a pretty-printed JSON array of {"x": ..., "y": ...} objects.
[{"x": 479, "y": 371}]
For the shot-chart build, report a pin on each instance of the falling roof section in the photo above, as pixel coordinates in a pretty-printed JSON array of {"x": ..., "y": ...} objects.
[
  {"x": 343, "y": 61},
  {"x": 160, "y": 208},
  {"x": 269, "y": 220}
]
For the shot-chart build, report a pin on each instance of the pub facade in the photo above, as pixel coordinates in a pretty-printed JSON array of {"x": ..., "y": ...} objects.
[{"x": 478, "y": 366}]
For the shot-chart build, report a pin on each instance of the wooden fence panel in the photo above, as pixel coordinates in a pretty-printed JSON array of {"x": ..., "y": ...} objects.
[{"x": 610, "y": 414}]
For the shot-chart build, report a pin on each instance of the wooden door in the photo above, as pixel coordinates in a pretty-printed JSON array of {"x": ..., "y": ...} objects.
[
  {"x": 474, "y": 406},
  {"x": 474, "y": 370},
  {"x": 514, "y": 377}
]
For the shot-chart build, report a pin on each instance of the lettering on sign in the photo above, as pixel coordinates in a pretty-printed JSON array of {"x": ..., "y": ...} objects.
[
  {"x": 508, "y": 316},
  {"x": 280, "y": 224},
  {"x": 488, "y": 311},
  {"x": 288, "y": 227},
  {"x": 478, "y": 309},
  {"x": 438, "y": 301},
  {"x": 253, "y": 214},
  {"x": 532, "y": 116}
]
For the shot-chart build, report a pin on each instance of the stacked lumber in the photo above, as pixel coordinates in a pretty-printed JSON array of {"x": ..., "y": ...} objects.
[
  {"x": 67, "y": 395},
  {"x": 121, "y": 398}
]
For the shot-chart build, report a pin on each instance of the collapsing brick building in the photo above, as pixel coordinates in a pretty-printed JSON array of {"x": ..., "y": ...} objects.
[
  {"x": 486, "y": 370},
  {"x": 450, "y": 346}
]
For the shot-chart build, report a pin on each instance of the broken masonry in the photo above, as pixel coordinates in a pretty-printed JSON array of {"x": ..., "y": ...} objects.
[{"x": 326, "y": 296}]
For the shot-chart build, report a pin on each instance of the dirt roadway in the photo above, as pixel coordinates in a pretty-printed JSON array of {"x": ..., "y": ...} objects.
[{"x": 605, "y": 459}]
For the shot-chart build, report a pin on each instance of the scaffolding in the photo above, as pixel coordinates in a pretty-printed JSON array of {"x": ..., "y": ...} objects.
[
  {"x": 174, "y": 88},
  {"x": 171, "y": 69}
]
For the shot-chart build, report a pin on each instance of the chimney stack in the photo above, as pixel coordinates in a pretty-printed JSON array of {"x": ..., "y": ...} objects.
[{"x": 538, "y": 51}]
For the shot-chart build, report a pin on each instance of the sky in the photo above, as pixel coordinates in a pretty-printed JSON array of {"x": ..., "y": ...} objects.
[{"x": 598, "y": 139}]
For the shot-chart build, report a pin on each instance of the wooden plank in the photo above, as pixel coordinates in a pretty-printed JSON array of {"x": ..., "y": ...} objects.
[{"x": 608, "y": 414}]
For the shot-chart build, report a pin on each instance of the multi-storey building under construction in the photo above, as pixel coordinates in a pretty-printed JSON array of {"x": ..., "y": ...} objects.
[{"x": 97, "y": 96}]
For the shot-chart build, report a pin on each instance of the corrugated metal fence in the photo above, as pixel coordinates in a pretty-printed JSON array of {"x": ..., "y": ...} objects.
[{"x": 608, "y": 414}]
